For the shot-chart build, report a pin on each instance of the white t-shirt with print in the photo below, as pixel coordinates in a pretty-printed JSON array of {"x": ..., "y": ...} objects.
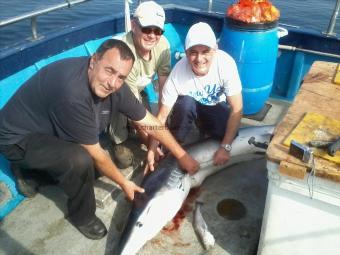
[{"x": 222, "y": 80}]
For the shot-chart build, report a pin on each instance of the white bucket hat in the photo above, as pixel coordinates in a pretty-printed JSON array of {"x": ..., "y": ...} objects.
[
  {"x": 150, "y": 14},
  {"x": 200, "y": 34}
]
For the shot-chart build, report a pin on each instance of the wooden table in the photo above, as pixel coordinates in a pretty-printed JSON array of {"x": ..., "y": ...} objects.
[{"x": 318, "y": 94}]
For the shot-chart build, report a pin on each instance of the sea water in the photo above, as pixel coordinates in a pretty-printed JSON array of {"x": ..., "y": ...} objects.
[{"x": 311, "y": 14}]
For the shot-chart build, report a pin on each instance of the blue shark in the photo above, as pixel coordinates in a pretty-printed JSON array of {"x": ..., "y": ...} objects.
[{"x": 167, "y": 187}]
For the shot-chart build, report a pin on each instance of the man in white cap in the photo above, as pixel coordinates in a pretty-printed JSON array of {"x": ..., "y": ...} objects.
[
  {"x": 152, "y": 53},
  {"x": 203, "y": 86}
]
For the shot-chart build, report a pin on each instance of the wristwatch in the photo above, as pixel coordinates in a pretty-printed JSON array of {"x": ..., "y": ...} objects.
[{"x": 227, "y": 147}]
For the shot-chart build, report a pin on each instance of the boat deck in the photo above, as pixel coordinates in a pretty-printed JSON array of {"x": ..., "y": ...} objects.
[{"x": 38, "y": 225}]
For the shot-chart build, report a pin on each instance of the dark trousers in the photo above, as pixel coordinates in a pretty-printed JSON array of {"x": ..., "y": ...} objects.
[
  {"x": 186, "y": 111},
  {"x": 68, "y": 163}
]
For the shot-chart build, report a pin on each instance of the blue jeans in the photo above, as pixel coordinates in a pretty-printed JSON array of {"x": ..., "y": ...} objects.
[{"x": 211, "y": 120}]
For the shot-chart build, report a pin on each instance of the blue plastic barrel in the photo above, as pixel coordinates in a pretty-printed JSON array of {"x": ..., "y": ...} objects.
[{"x": 254, "y": 48}]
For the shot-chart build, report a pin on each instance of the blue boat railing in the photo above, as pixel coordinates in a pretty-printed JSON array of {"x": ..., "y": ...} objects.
[
  {"x": 293, "y": 48},
  {"x": 34, "y": 14},
  {"x": 332, "y": 22},
  {"x": 68, "y": 3}
]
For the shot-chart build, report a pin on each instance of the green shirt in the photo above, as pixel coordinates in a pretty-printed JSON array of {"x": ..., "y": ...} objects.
[{"x": 143, "y": 71}]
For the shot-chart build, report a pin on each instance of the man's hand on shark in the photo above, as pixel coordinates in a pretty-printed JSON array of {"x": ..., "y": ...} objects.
[
  {"x": 189, "y": 164},
  {"x": 130, "y": 188},
  {"x": 221, "y": 157},
  {"x": 153, "y": 156}
]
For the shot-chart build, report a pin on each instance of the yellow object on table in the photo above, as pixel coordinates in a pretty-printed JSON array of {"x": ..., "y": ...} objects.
[{"x": 316, "y": 127}]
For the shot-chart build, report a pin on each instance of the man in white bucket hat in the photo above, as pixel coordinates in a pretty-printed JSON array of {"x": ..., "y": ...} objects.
[
  {"x": 204, "y": 86},
  {"x": 152, "y": 53}
]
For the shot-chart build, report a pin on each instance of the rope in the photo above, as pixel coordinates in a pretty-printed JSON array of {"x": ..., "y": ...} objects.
[{"x": 310, "y": 178}]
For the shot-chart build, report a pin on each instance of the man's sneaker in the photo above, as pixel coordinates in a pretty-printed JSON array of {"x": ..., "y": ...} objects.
[
  {"x": 28, "y": 189},
  {"x": 123, "y": 156}
]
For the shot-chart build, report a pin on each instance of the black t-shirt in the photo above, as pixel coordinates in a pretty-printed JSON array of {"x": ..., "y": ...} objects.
[{"x": 58, "y": 101}]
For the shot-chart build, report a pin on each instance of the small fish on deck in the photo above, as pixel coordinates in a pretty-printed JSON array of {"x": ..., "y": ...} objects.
[{"x": 201, "y": 228}]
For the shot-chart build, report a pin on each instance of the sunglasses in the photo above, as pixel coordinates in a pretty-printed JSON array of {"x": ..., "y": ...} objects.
[{"x": 148, "y": 30}]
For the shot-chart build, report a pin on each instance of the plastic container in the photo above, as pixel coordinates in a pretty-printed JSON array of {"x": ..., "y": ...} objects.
[{"x": 254, "y": 48}]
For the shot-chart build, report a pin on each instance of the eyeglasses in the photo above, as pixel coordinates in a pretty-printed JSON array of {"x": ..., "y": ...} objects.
[{"x": 148, "y": 30}]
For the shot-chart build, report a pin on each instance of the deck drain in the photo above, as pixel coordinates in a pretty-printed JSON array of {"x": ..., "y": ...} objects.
[{"x": 231, "y": 209}]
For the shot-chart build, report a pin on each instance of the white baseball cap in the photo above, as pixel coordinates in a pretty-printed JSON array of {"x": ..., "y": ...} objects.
[
  {"x": 150, "y": 13},
  {"x": 200, "y": 34}
]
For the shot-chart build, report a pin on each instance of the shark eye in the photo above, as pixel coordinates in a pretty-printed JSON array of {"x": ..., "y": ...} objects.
[{"x": 138, "y": 224}]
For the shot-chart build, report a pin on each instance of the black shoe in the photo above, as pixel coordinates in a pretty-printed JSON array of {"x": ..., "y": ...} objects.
[
  {"x": 28, "y": 189},
  {"x": 123, "y": 156},
  {"x": 95, "y": 229}
]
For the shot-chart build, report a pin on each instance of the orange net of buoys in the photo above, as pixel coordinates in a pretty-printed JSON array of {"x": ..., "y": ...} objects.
[{"x": 253, "y": 11}]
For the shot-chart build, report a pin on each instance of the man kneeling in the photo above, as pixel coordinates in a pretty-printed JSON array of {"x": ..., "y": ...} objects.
[{"x": 53, "y": 122}]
